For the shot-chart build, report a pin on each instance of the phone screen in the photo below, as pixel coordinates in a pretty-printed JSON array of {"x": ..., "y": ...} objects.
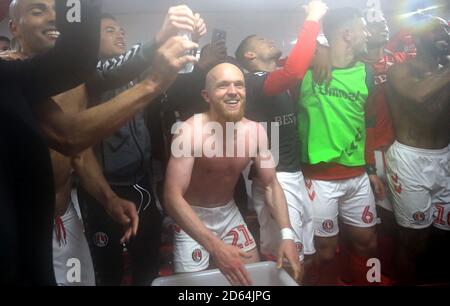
[{"x": 218, "y": 35}]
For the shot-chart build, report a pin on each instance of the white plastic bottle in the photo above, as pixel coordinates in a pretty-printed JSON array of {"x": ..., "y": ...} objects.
[{"x": 189, "y": 66}]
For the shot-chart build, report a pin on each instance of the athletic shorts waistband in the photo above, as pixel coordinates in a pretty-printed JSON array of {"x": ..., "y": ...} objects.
[
  {"x": 216, "y": 208},
  {"x": 422, "y": 151}
]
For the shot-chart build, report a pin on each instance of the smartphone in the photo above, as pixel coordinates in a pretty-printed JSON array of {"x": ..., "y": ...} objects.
[{"x": 218, "y": 35}]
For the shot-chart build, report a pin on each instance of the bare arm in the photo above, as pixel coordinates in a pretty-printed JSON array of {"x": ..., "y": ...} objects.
[
  {"x": 266, "y": 176},
  {"x": 274, "y": 195},
  {"x": 119, "y": 71},
  {"x": 301, "y": 56},
  {"x": 402, "y": 81},
  {"x": 72, "y": 133},
  {"x": 93, "y": 181}
]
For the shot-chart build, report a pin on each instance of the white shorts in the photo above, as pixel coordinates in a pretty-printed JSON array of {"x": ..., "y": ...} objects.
[
  {"x": 380, "y": 164},
  {"x": 419, "y": 181},
  {"x": 300, "y": 216},
  {"x": 72, "y": 260},
  {"x": 225, "y": 222},
  {"x": 352, "y": 200}
]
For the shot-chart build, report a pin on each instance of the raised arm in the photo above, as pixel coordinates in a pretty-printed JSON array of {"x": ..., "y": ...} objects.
[
  {"x": 266, "y": 176},
  {"x": 405, "y": 84},
  {"x": 71, "y": 134},
  {"x": 119, "y": 71},
  {"x": 66, "y": 65},
  {"x": 301, "y": 56}
]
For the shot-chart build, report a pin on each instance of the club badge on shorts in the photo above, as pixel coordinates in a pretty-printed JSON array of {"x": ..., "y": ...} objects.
[
  {"x": 419, "y": 217},
  {"x": 176, "y": 228},
  {"x": 197, "y": 255},
  {"x": 299, "y": 247},
  {"x": 101, "y": 239},
  {"x": 328, "y": 226}
]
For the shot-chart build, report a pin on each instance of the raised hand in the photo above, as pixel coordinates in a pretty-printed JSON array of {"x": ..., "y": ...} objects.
[
  {"x": 212, "y": 55},
  {"x": 169, "y": 59},
  {"x": 178, "y": 18},
  {"x": 199, "y": 29},
  {"x": 315, "y": 10}
]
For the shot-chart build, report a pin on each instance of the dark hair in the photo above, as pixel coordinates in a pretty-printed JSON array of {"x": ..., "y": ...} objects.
[
  {"x": 4, "y": 38},
  {"x": 335, "y": 19},
  {"x": 243, "y": 48},
  {"x": 107, "y": 16}
]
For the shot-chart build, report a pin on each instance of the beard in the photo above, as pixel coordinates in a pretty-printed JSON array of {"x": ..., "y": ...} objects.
[
  {"x": 273, "y": 55},
  {"x": 230, "y": 116}
]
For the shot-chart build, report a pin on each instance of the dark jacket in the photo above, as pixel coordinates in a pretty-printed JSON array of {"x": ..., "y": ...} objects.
[{"x": 124, "y": 156}]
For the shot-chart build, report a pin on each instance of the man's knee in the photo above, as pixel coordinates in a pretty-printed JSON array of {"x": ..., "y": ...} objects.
[
  {"x": 365, "y": 241},
  {"x": 326, "y": 248}
]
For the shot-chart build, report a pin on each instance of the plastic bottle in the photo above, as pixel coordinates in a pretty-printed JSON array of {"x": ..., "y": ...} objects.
[{"x": 189, "y": 66}]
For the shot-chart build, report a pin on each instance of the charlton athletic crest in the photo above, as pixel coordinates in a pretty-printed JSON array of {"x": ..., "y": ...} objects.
[
  {"x": 328, "y": 226},
  {"x": 419, "y": 216},
  {"x": 299, "y": 247},
  {"x": 100, "y": 239},
  {"x": 197, "y": 255}
]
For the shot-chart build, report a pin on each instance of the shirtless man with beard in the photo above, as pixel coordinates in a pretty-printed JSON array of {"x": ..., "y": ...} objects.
[{"x": 200, "y": 185}]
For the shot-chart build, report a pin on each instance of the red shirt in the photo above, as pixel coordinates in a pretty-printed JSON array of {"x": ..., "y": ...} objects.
[{"x": 297, "y": 63}]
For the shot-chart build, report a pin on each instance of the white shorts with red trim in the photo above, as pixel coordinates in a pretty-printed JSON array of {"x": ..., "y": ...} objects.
[
  {"x": 225, "y": 222},
  {"x": 351, "y": 200},
  {"x": 300, "y": 215},
  {"x": 419, "y": 181},
  {"x": 380, "y": 164},
  {"x": 72, "y": 259}
]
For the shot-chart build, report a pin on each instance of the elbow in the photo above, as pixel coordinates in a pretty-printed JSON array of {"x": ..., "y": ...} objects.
[
  {"x": 68, "y": 145},
  {"x": 74, "y": 149},
  {"x": 168, "y": 200},
  {"x": 69, "y": 148}
]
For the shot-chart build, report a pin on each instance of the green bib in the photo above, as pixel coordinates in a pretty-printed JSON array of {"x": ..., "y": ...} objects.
[{"x": 332, "y": 118}]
